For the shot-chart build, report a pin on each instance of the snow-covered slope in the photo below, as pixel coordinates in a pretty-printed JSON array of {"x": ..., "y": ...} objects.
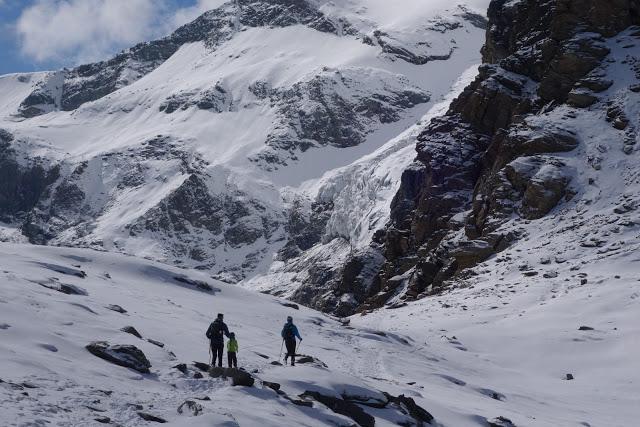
[
  {"x": 479, "y": 353},
  {"x": 500, "y": 346},
  {"x": 188, "y": 149}
]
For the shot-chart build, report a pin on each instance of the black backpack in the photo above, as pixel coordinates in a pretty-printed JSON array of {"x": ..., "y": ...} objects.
[
  {"x": 214, "y": 330},
  {"x": 288, "y": 331}
]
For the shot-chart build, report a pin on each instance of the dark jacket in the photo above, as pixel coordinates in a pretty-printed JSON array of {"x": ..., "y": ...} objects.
[
  {"x": 290, "y": 331},
  {"x": 217, "y": 330}
]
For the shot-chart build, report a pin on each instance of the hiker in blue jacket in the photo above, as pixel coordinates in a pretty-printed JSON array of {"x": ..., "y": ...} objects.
[{"x": 289, "y": 334}]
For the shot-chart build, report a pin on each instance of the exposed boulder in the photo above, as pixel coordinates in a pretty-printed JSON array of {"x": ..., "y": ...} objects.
[
  {"x": 304, "y": 359},
  {"x": 471, "y": 252},
  {"x": 64, "y": 288},
  {"x": 151, "y": 418},
  {"x": 581, "y": 98},
  {"x": 369, "y": 401},
  {"x": 155, "y": 342},
  {"x": 408, "y": 406},
  {"x": 204, "y": 367},
  {"x": 238, "y": 376},
  {"x": 290, "y": 305},
  {"x": 128, "y": 356},
  {"x": 198, "y": 284},
  {"x": 116, "y": 308},
  {"x": 541, "y": 180},
  {"x": 595, "y": 83},
  {"x": 273, "y": 386},
  {"x": 131, "y": 330},
  {"x": 182, "y": 367},
  {"x": 191, "y": 408},
  {"x": 342, "y": 407},
  {"x": 500, "y": 422}
]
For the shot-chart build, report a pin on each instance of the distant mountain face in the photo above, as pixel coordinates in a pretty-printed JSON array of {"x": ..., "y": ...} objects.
[{"x": 222, "y": 146}]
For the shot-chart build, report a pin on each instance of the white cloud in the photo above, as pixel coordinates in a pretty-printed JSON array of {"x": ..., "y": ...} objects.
[
  {"x": 69, "y": 32},
  {"x": 74, "y": 31},
  {"x": 83, "y": 30}
]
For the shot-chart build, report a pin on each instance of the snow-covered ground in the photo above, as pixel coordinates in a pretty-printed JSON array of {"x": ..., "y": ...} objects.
[
  {"x": 500, "y": 345},
  {"x": 564, "y": 299}
]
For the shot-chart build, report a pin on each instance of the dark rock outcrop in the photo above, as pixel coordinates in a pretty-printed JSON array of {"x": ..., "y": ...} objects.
[
  {"x": 500, "y": 422},
  {"x": 116, "y": 308},
  {"x": 238, "y": 377},
  {"x": 204, "y": 367},
  {"x": 189, "y": 407},
  {"x": 216, "y": 99},
  {"x": 131, "y": 330},
  {"x": 182, "y": 367},
  {"x": 21, "y": 184},
  {"x": 408, "y": 406},
  {"x": 151, "y": 418},
  {"x": 64, "y": 288},
  {"x": 337, "y": 107},
  {"x": 342, "y": 407},
  {"x": 191, "y": 221},
  {"x": 128, "y": 356}
]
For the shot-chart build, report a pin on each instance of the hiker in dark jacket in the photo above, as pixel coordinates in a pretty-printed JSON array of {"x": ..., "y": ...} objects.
[
  {"x": 216, "y": 333},
  {"x": 289, "y": 334}
]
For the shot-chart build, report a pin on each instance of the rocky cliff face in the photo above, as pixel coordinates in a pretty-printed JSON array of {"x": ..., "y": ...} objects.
[{"x": 497, "y": 156}]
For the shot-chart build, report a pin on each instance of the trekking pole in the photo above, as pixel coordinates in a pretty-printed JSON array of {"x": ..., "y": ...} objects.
[
  {"x": 299, "y": 345},
  {"x": 281, "y": 346}
]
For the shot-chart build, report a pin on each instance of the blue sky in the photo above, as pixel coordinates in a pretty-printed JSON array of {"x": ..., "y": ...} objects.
[{"x": 50, "y": 34}]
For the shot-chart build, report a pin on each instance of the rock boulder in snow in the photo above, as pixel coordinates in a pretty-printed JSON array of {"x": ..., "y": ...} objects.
[
  {"x": 342, "y": 407},
  {"x": 408, "y": 406},
  {"x": 64, "y": 288},
  {"x": 128, "y": 356},
  {"x": 151, "y": 418},
  {"x": 500, "y": 422},
  {"x": 189, "y": 407},
  {"x": 238, "y": 376},
  {"x": 131, "y": 330}
]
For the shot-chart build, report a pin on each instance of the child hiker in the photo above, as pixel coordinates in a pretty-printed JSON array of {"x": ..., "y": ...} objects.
[{"x": 232, "y": 349}]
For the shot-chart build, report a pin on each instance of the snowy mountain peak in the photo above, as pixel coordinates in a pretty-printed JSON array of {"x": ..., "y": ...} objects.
[{"x": 190, "y": 149}]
